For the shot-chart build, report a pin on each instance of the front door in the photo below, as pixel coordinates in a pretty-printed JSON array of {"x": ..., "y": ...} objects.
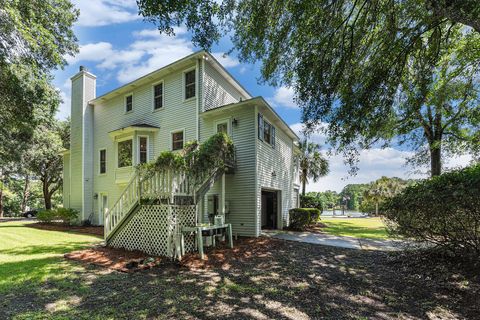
[{"x": 269, "y": 209}]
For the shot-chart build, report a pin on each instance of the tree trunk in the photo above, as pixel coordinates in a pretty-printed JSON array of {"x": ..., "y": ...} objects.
[
  {"x": 25, "y": 195},
  {"x": 304, "y": 181},
  {"x": 1, "y": 200},
  {"x": 436, "y": 161},
  {"x": 48, "y": 201},
  {"x": 47, "y": 196},
  {"x": 376, "y": 209}
]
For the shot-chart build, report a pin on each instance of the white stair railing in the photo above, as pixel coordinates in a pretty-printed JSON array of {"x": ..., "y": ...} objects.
[
  {"x": 157, "y": 185},
  {"x": 123, "y": 205}
]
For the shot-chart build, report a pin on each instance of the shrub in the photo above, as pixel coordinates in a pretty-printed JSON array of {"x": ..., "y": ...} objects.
[
  {"x": 67, "y": 215},
  {"x": 46, "y": 216},
  {"x": 62, "y": 215},
  {"x": 443, "y": 211},
  {"x": 309, "y": 201},
  {"x": 300, "y": 218}
]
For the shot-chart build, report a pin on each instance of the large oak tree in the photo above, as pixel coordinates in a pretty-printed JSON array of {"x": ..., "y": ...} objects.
[{"x": 349, "y": 61}]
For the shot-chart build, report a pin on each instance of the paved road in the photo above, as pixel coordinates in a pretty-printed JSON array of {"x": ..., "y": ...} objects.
[{"x": 335, "y": 241}]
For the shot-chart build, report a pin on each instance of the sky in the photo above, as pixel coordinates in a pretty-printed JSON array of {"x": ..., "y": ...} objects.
[{"x": 118, "y": 46}]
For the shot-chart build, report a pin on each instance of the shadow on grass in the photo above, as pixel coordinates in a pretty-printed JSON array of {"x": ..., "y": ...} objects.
[
  {"x": 60, "y": 248},
  {"x": 296, "y": 280}
]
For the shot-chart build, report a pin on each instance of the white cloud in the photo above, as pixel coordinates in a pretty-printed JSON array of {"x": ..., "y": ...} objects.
[
  {"x": 226, "y": 60},
  {"x": 64, "y": 108},
  {"x": 150, "y": 51},
  {"x": 92, "y": 52},
  {"x": 105, "y": 12},
  {"x": 373, "y": 164},
  {"x": 284, "y": 97}
]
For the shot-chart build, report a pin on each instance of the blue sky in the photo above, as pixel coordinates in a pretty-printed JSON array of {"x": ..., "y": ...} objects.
[{"x": 118, "y": 46}]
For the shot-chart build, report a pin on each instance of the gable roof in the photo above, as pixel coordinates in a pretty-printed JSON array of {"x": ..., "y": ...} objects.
[
  {"x": 174, "y": 66},
  {"x": 261, "y": 102}
]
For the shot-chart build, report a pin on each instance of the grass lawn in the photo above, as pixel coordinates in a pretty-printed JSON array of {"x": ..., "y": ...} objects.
[
  {"x": 275, "y": 280},
  {"x": 370, "y": 228},
  {"x": 33, "y": 255}
]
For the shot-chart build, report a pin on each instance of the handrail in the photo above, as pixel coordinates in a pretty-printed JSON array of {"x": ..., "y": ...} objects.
[
  {"x": 124, "y": 203},
  {"x": 157, "y": 185}
]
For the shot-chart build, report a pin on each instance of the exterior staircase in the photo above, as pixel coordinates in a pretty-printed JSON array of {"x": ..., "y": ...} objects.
[{"x": 166, "y": 187}]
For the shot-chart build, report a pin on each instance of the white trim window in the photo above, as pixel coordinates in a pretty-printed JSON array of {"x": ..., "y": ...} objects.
[
  {"x": 222, "y": 126},
  {"x": 189, "y": 83},
  {"x": 124, "y": 153},
  {"x": 102, "y": 161},
  {"x": 142, "y": 149},
  {"x": 178, "y": 139},
  {"x": 128, "y": 103},
  {"x": 266, "y": 131},
  {"x": 158, "y": 96}
]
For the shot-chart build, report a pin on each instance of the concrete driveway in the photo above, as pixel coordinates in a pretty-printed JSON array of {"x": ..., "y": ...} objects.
[{"x": 335, "y": 241}]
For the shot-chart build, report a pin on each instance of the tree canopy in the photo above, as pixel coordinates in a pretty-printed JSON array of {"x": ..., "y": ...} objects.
[
  {"x": 346, "y": 60},
  {"x": 35, "y": 37}
]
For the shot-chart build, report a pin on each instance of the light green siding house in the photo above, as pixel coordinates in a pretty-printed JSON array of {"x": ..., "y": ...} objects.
[{"x": 190, "y": 99}]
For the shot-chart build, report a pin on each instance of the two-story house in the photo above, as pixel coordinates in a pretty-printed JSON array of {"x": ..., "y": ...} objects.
[{"x": 190, "y": 99}]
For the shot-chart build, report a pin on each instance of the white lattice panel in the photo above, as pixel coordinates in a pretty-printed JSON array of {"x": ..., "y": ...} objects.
[{"x": 151, "y": 228}]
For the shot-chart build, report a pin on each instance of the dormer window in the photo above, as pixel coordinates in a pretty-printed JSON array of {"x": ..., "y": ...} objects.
[
  {"x": 189, "y": 84},
  {"x": 158, "y": 96},
  {"x": 128, "y": 103}
]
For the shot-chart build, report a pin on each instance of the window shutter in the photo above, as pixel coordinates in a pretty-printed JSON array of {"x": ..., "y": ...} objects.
[
  {"x": 260, "y": 127},
  {"x": 272, "y": 136}
]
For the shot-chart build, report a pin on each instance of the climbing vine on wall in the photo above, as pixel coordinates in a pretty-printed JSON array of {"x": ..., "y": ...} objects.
[{"x": 197, "y": 160}]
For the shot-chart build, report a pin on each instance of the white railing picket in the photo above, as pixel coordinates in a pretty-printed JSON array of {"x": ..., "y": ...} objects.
[{"x": 160, "y": 184}]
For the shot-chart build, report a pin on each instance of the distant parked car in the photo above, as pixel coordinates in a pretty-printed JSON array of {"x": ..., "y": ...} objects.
[{"x": 30, "y": 214}]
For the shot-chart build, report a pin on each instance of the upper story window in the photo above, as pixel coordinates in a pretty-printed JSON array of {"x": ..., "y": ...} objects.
[
  {"x": 125, "y": 153},
  {"x": 103, "y": 161},
  {"x": 177, "y": 140},
  {"x": 266, "y": 131},
  {"x": 222, "y": 127},
  {"x": 158, "y": 96},
  {"x": 189, "y": 84},
  {"x": 142, "y": 149},
  {"x": 128, "y": 103}
]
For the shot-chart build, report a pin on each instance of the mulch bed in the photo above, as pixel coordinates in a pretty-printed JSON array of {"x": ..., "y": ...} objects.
[
  {"x": 115, "y": 259},
  {"x": 219, "y": 257},
  {"x": 97, "y": 231}
]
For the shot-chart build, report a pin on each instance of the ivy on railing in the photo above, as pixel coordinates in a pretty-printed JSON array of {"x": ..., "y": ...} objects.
[{"x": 197, "y": 161}]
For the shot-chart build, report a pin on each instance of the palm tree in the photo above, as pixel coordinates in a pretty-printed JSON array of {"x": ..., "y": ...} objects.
[{"x": 312, "y": 163}]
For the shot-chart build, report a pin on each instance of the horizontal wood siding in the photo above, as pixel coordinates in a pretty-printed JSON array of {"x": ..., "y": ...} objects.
[
  {"x": 280, "y": 161},
  {"x": 176, "y": 114},
  {"x": 217, "y": 91},
  {"x": 239, "y": 190}
]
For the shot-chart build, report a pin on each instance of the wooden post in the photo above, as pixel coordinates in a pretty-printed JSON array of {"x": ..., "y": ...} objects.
[{"x": 222, "y": 200}]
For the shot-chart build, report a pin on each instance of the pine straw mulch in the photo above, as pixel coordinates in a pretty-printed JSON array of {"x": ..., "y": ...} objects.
[
  {"x": 115, "y": 259},
  {"x": 94, "y": 230},
  {"x": 219, "y": 257}
]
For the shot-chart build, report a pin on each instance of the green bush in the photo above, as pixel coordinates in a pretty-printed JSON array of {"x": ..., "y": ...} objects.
[
  {"x": 46, "y": 216},
  {"x": 60, "y": 215},
  {"x": 309, "y": 201},
  {"x": 300, "y": 218},
  {"x": 443, "y": 212}
]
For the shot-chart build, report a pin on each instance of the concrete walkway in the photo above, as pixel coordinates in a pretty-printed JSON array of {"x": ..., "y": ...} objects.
[{"x": 335, "y": 241}]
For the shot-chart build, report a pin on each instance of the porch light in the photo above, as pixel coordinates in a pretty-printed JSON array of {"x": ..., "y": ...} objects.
[
  {"x": 95, "y": 196},
  {"x": 274, "y": 174},
  {"x": 234, "y": 122}
]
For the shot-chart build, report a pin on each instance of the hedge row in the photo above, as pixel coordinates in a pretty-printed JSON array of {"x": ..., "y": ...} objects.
[
  {"x": 300, "y": 218},
  {"x": 443, "y": 212},
  {"x": 59, "y": 215}
]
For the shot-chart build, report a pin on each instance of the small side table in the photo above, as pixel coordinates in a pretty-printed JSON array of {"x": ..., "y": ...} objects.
[{"x": 198, "y": 233}]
